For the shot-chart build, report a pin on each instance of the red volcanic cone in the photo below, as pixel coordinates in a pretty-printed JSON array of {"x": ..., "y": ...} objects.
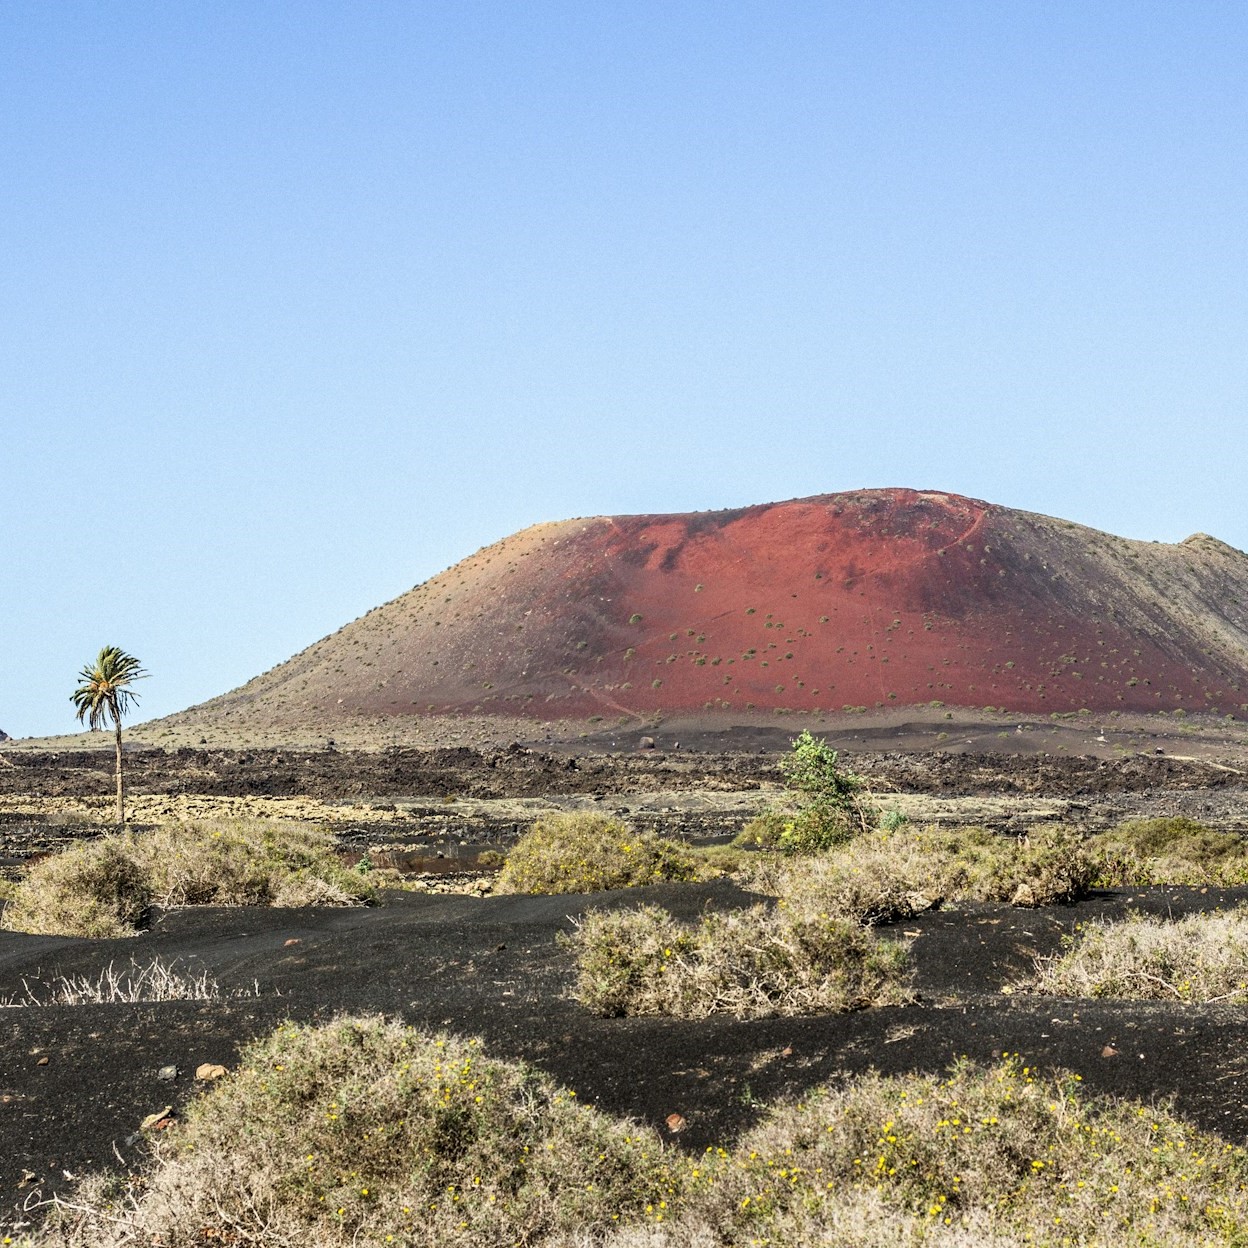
[{"x": 878, "y": 597}]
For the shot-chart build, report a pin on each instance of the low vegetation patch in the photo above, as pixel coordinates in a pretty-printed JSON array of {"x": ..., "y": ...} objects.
[
  {"x": 1203, "y": 957},
  {"x": 998, "y": 1156},
  {"x": 748, "y": 963},
  {"x": 1177, "y": 850},
  {"x": 106, "y": 887},
  {"x": 584, "y": 852},
  {"x": 886, "y": 876},
  {"x": 94, "y": 889},
  {"x": 367, "y": 1132}
]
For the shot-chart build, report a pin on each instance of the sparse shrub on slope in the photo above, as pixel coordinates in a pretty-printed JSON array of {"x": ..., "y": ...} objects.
[
  {"x": 105, "y": 887},
  {"x": 584, "y": 852},
  {"x": 749, "y": 963},
  {"x": 1173, "y": 850},
  {"x": 365, "y": 1131},
  {"x": 1203, "y": 957}
]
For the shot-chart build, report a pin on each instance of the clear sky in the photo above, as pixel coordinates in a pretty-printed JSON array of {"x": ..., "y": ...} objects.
[{"x": 302, "y": 302}]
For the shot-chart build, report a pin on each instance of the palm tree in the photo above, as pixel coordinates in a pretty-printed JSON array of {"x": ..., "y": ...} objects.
[{"x": 105, "y": 694}]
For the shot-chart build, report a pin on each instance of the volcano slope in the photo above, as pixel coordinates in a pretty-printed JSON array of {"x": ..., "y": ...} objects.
[{"x": 876, "y": 598}]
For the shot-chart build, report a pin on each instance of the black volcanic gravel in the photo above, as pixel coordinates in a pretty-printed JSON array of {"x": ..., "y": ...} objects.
[{"x": 76, "y": 1081}]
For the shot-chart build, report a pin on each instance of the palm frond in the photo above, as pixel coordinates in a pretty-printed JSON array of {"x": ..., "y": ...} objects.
[{"x": 104, "y": 691}]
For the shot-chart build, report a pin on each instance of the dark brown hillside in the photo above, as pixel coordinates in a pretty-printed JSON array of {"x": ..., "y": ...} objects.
[{"x": 878, "y": 597}]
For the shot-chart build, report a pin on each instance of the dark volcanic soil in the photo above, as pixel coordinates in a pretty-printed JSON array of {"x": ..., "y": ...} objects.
[{"x": 76, "y": 1081}]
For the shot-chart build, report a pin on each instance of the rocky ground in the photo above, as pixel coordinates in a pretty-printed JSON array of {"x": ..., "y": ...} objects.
[{"x": 77, "y": 1080}]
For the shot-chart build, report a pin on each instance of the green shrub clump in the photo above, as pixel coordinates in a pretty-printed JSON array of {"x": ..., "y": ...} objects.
[
  {"x": 1203, "y": 957},
  {"x": 1174, "y": 850},
  {"x": 831, "y": 805},
  {"x": 585, "y": 852},
  {"x": 750, "y": 963},
  {"x": 106, "y": 887}
]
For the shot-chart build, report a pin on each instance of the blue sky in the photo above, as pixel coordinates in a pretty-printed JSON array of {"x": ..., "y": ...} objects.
[{"x": 301, "y": 303}]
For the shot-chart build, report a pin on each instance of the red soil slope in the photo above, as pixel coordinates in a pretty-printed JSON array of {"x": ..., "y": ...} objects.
[{"x": 879, "y": 597}]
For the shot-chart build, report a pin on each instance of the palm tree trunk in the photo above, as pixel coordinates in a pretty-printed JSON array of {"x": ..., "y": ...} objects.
[{"x": 121, "y": 798}]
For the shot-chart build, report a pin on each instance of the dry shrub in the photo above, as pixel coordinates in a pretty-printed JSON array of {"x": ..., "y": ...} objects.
[
  {"x": 1203, "y": 957},
  {"x": 995, "y": 1157},
  {"x": 246, "y": 862},
  {"x": 363, "y": 1129},
  {"x": 106, "y": 887},
  {"x": 1043, "y": 868},
  {"x": 585, "y": 852},
  {"x": 93, "y": 888},
  {"x": 887, "y": 876},
  {"x": 748, "y": 963},
  {"x": 1176, "y": 850},
  {"x": 879, "y": 879}
]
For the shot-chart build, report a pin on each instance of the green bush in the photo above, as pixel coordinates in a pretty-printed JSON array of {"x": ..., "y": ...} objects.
[
  {"x": 748, "y": 963},
  {"x": 830, "y": 804},
  {"x": 764, "y": 830},
  {"x": 584, "y": 852},
  {"x": 105, "y": 887},
  {"x": 1174, "y": 850}
]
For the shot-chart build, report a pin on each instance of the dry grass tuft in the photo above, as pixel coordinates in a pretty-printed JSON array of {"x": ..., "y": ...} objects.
[
  {"x": 105, "y": 888},
  {"x": 1203, "y": 957},
  {"x": 751, "y": 963},
  {"x": 155, "y": 981},
  {"x": 584, "y": 852}
]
